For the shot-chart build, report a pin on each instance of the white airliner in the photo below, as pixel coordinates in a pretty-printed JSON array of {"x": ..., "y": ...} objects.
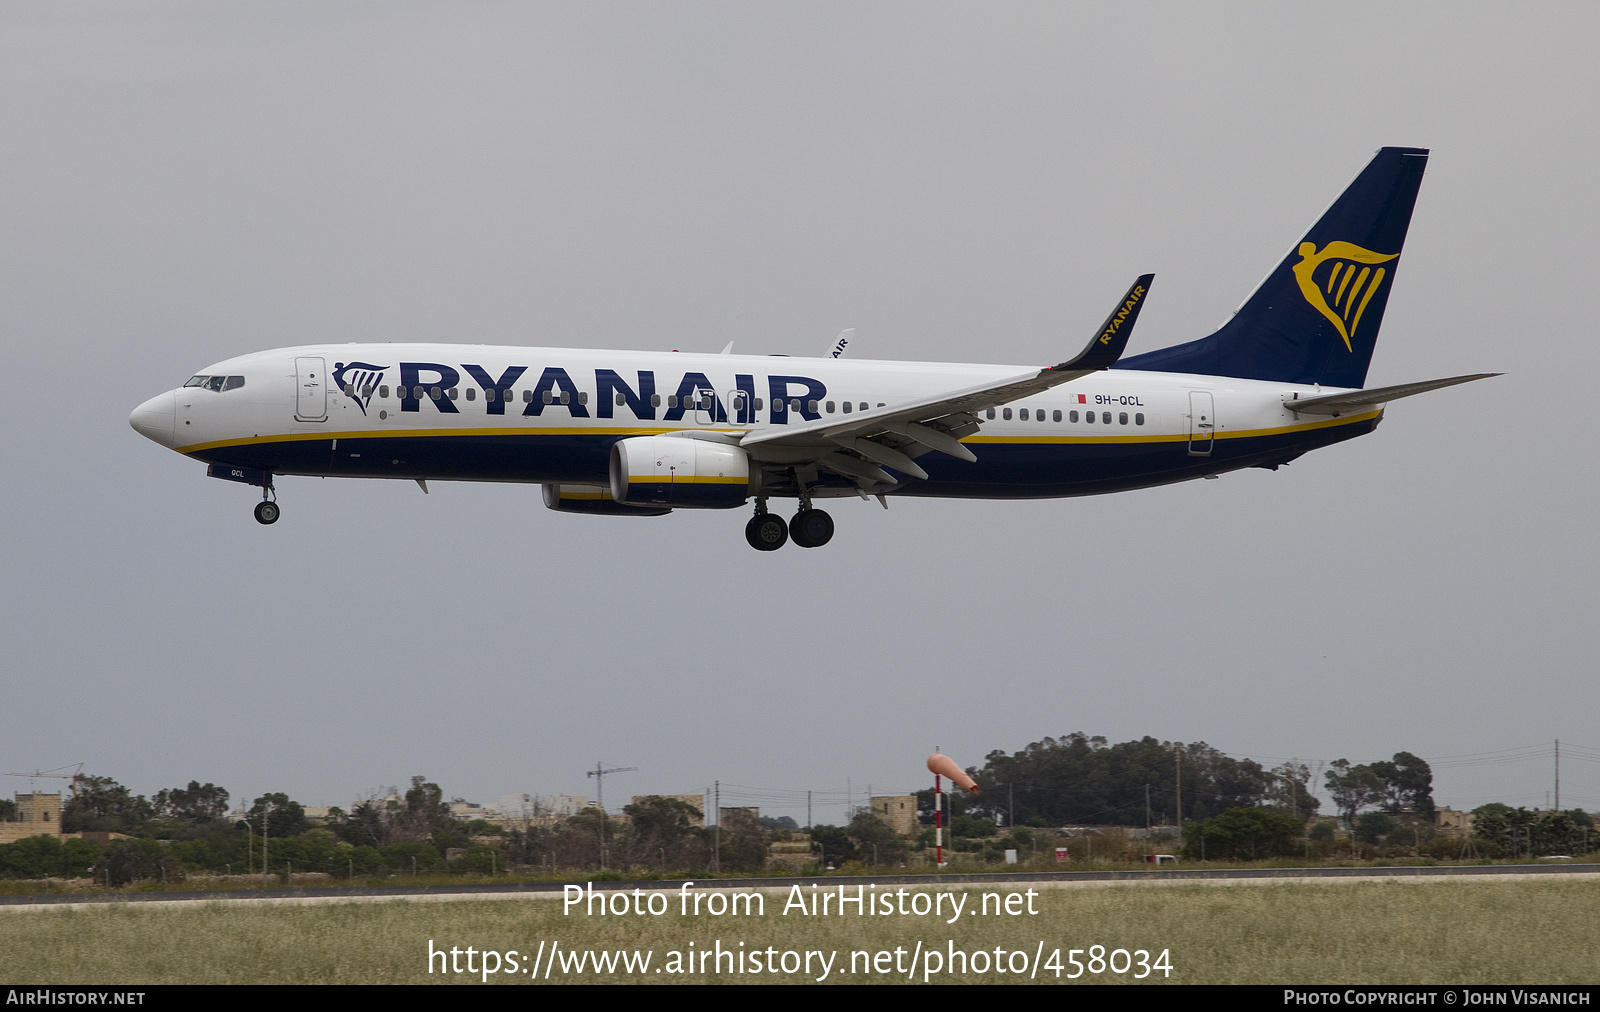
[{"x": 642, "y": 433}]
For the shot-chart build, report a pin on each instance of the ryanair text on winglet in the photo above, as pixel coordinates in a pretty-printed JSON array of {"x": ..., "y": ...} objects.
[{"x": 1122, "y": 314}]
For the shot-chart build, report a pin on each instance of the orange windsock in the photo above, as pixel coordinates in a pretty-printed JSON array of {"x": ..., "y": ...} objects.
[{"x": 940, "y": 763}]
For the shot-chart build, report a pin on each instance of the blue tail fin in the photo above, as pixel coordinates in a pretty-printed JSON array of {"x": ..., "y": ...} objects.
[{"x": 1316, "y": 317}]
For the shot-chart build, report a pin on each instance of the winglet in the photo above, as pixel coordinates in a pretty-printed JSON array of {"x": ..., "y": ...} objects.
[{"x": 1112, "y": 337}]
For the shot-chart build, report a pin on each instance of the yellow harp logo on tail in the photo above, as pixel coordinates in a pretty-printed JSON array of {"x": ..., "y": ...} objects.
[{"x": 1341, "y": 293}]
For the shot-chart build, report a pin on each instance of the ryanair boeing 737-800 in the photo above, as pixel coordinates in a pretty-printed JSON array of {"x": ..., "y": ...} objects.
[{"x": 641, "y": 434}]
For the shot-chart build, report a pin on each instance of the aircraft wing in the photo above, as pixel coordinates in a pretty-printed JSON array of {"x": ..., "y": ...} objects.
[
  {"x": 1351, "y": 400},
  {"x": 892, "y": 435}
]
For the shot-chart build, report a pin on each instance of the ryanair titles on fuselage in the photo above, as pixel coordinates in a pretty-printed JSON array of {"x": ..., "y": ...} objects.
[{"x": 639, "y": 393}]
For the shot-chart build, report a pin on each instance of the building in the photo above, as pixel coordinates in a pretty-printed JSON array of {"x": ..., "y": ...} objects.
[
  {"x": 899, "y": 811},
  {"x": 37, "y": 815}
]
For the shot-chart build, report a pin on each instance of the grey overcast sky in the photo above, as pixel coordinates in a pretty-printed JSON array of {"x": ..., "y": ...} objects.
[{"x": 180, "y": 183}]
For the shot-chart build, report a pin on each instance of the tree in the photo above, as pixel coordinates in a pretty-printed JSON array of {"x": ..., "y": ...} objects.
[
  {"x": 832, "y": 844},
  {"x": 1295, "y": 778},
  {"x": 743, "y": 846},
  {"x": 662, "y": 832},
  {"x": 1407, "y": 784},
  {"x": 284, "y": 817},
  {"x": 876, "y": 842},
  {"x": 195, "y": 803},
  {"x": 1353, "y": 788},
  {"x": 1372, "y": 827},
  {"x": 1243, "y": 834},
  {"x": 1079, "y": 779},
  {"x": 100, "y": 803}
]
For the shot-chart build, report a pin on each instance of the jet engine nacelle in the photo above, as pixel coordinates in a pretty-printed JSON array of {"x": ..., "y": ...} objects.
[
  {"x": 677, "y": 471},
  {"x": 594, "y": 499}
]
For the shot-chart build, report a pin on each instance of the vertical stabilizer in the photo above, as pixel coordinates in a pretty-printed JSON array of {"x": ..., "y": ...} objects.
[{"x": 1315, "y": 318}]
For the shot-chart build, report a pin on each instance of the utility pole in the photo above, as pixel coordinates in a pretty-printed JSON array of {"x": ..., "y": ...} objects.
[
  {"x": 266, "y": 810},
  {"x": 1558, "y": 774},
  {"x": 716, "y": 852},
  {"x": 1177, "y": 783},
  {"x": 599, "y": 773}
]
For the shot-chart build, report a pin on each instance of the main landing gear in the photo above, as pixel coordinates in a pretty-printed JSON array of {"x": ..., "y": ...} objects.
[{"x": 766, "y": 532}]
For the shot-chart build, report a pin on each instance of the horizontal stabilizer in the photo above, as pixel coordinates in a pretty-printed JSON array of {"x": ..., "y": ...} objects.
[{"x": 1351, "y": 400}]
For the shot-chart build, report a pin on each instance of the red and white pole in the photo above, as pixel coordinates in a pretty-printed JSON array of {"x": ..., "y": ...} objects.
[{"x": 938, "y": 764}]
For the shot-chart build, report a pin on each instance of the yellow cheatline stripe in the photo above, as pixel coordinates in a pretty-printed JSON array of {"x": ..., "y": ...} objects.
[
  {"x": 1180, "y": 437},
  {"x": 706, "y": 480},
  {"x": 398, "y": 433},
  {"x": 290, "y": 437}
]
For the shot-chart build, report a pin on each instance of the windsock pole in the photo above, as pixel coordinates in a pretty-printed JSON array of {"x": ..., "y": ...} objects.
[{"x": 938, "y": 821}]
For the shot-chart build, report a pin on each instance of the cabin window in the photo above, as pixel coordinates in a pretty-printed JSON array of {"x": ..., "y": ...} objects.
[
  {"x": 847, "y": 406},
  {"x": 1138, "y": 419},
  {"x": 455, "y": 393},
  {"x": 1105, "y": 417},
  {"x": 989, "y": 413},
  {"x": 472, "y": 393},
  {"x": 1023, "y": 414},
  {"x": 864, "y": 407},
  {"x": 583, "y": 397},
  {"x": 233, "y": 383},
  {"x": 622, "y": 399},
  {"x": 349, "y": 389},
  {"x": 1122, "y": 418},
  {"x": 548, "y": 397},
  {"x": 383, "y": 391},
  {"x": 829, "y": 406},
  {"x": 655, "y": 400},
  {"x": 366, "y": 391},
  {"x": 672, "y": 400},
  {"x": 811, "y": 407},
  {"x": 435, "y": 393},
  {"x": 566, "y": 397},
  {"x": 759, "y": 402},
  {"x": 1088, "y": 416},
  {"x": 1056, "y": 415},
  {"x": 1072, "y": 417},
  {"x": 418, "y": 393},
  {"x": 1006, "y": 414},
  {"x": 527, "y": 396}
]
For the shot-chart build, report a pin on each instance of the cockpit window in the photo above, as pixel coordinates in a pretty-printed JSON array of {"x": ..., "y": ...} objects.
[
  {"x": 215, "y": 383},
  {"x": 197, "y": 381},
  {"x": 233, "y": 383}
]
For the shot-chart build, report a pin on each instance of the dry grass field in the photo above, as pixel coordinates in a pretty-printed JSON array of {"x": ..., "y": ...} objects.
[{"x": 1536, "y": 930}]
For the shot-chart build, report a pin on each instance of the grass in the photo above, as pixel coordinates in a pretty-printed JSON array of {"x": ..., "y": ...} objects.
[{"x": 1433, "y": 931}]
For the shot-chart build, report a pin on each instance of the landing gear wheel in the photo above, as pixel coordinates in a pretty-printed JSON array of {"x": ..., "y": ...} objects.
[
  {"x": 811, "y": 528},
  {"x": 266, "y": 512},
  {"x": 766, "y": 532}
]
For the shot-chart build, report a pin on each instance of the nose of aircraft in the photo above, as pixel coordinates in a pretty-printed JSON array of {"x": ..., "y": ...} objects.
[{"x": 156, "y": 418}]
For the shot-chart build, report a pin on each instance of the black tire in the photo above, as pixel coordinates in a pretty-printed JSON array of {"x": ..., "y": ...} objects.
[
  {"x": 811, "y": 528},
  {"x": 766, "y": 532},
  {"x": 267, "y": 512}
]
